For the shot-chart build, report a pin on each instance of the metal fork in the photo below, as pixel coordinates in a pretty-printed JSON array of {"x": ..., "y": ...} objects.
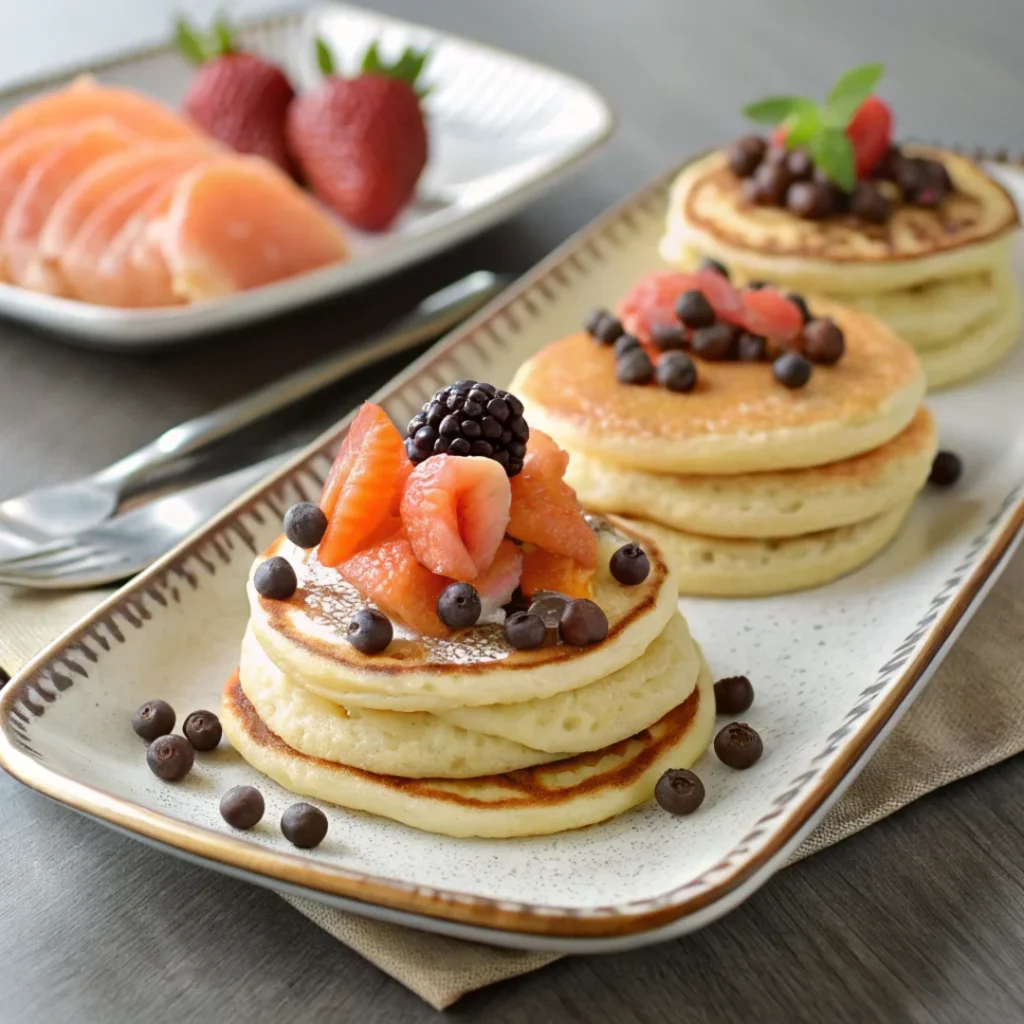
[
  {"x": 121, "y": 547},
  {"x": 32, "y": 520}
]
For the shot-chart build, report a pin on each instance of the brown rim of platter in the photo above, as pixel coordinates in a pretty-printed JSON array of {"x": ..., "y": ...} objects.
[{"x": 67, "y": 661}]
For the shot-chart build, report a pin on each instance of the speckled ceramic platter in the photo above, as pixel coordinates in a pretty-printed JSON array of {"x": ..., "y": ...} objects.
[
  {"x": 834, "y": 668},
  {"x": 503, "y": 130}
]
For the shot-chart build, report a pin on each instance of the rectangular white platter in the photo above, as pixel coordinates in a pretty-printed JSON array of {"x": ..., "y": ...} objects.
[
  {"x": 833, "y": 669},
  {"x": 503, "y": 130}
]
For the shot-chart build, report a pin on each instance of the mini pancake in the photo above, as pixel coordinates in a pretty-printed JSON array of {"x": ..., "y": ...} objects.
[
  {"x": 738, "y": 419},
  {"x": 784, "y": 503},
  {"x": 838, "y": 256},
  {"x": 566, "y": 794},
  {"x": 467, "y": 742},
  {"x": 734, "y": 567},
  {"x": 305, "y": 637}
]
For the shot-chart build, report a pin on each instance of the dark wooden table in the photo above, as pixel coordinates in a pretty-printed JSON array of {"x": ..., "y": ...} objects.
[{"x": 917, "y": 919}]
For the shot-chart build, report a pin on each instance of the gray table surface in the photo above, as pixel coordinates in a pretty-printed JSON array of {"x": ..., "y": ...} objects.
[{"x": 916, "y": 919}]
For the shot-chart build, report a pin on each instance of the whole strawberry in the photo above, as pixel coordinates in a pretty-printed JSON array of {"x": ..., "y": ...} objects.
[
  {"x": 237, "y": 97},
  {"x": 361, "y": 142}
]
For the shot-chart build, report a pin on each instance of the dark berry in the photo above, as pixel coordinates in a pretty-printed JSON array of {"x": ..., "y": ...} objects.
[
  {"x": 635, "y": 367},
  {"x": 738, "y": 746},
  {"x": 870, "y": 204},
  {"x": 630, "y": 565},
  {"x": 886, "y": 169},
  {"x": 304, "y": 826},
  {"x": 626, "y": 343},
  {"x": 305, "y": 523},
  {"x": 369, "y": 632},
  {"x": 694, "y": 310},
  {"x": 170, "y": 757},
  {"x": 668, "y": 337},
  {"x": 155, "y": 718},
  {"x": 242, "y": 807},
  {"x": 751, "y": 348},
  {"x": 946, "y": 469},
  {"x": 734, "y": 695},
  {"x": 719, "y": 268},
  {"x": 525, "y": 632},
  {"x": 791, "y": 370},
  {"x": 471, "y": 418},
  {"x": 676, "y": 372},
  {"x": 202, "y": 729},
  {"x": 756, "y": 286},
  {"x": 548, "y": 607},
  {"x": 275, "y": 578},
  {"x": 717, "y": 342},
  {"x": 824, "y": 342},
  {"x": 679, "y": 791},
  {"x": 799, "y": 164},
  {"x": 745, "y": 155},
  {"x": 801, "y": 303},
  {"x": 459, "y": 606},
  {"x": 770, "y": 182},
  {"x": 603, "y": 327},
  {"x": 518, "y": 603},
  {"x": 807, "y": 199},
  {"x": 910, "y": 177},
  {"x": 582, "y": 623}
]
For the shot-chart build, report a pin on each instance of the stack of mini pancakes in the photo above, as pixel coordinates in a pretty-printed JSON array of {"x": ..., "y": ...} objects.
[
  {"x": 940, "y": 278},
  {"x": 748, "y": 487},
  {"x": 466, "y": 736}
]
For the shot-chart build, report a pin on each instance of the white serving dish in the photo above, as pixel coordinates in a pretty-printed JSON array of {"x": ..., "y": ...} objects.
[
  {"x": 503, "y": 130},
  {"x": 834, "y": 668}
]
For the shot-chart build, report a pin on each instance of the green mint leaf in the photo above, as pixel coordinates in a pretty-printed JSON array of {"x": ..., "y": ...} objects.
[
  {"x": 222, "y": 37},
  {"x": 833, "y": 153},
  {"x": 189, "y": 42},
  {"x": 852, "y": 89},
  {"x": 802, "y": 125},
  {"x": 324, "y": 57},
  {"x": 774, "y": 109}
]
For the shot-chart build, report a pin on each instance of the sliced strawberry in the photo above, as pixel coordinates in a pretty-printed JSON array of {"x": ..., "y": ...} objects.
[
  {"x": 545, "y": 510},
  {"x": 390, "y": 576},
  {"x": 455, "y": 510},
  {"x": 767, "y": 312},
  {"x": 870, "y": 131},
  {"x": 364, "y": 485},
  {"x": 543, "y": 570},
  {"x": 651, "y": 302}
]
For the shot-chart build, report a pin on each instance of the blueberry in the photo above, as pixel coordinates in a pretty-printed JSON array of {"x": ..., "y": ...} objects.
[
  {"x": 582, "y": 623},
  {"x": 791, "y": 370},
  {"x": 275, "y": 578},
  {"x": 525, "y": 632},
  {"x": 369, "y": 632},
  {"x": 170, "y": 757},
  {"x": 155, "y": 718},
  {"x": 242, "y": 807},
  {"x": 202, "y": 729},
  {"x": 304, "y": 826},
  {"x": 676, "y": 372},
  {"x": 694, "y": 310},
  {"x": 630, "y": 565},
  {"x": 459, "y": 606},
  {"x": 305, "y": 523}
]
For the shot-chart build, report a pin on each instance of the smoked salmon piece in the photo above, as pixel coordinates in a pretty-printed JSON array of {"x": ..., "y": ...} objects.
[
  {"x": 85, "y": 99},
  {"x": 543, "y": 570},
  {"x": 47, "y": 179},
  {"x": 497, "y": 585},
  {"x": 391, "y": 577},
  {"x": 455, "y": 510},
  {"x": 545, "y": 510},
  {"x": 364, "y": 487},
  {"x": 108, "y": 177},
  {"x": 239, "y": 223}
]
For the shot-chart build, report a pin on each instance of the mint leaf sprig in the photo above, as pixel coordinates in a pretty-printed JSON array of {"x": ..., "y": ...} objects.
[{"x": 822, "y": 127}]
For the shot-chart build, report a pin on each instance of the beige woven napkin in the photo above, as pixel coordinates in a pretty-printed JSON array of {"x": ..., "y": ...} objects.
[{"x": 970, "y": 716}]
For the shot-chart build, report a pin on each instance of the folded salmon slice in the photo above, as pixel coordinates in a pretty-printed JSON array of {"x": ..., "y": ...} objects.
[
  {"x": 108, "y": 177},
  {"x": 47, "y": 179},
  {"x": 86, "y": 99},
  {"x": 238, "y": 223}
]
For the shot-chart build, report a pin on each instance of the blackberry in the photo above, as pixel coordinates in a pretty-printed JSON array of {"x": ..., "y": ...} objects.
[{"x": 470, "y": 418}]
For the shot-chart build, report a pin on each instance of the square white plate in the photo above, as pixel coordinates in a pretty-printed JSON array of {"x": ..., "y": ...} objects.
[
  {"x": 503, "y": 130},
  {"x": 833, "y": 669}
]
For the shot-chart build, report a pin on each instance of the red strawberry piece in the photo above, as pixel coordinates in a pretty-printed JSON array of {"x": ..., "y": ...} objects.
[
  {"x": 769, "y": 313},
  {"x": 651, "y": 303},
  {"x": 239, "y": 98},
  {"x": 362, "y": 142},
  {"x": 722, "y": 294},
  {"x": 870, "y": 131}
]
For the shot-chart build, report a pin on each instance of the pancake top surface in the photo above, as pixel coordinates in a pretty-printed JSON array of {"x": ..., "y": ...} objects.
[
  {"x": 707, "y": 198},
  {"x": 573, "y": 381},
  {"x": 305, "y": 636}
]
